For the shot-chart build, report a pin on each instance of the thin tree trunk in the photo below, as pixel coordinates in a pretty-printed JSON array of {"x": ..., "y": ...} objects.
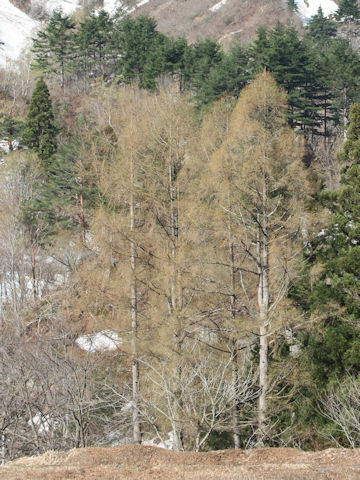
[
  {"x": 33, "y": 270},
  {"x": 174, "y": 300},
  {"x": 134, "y": 321},
  {"x": 82, "y": 219},
  {"x": 345, "y": 113},
  {"x": 263, "y": 303},
  {"x": 3, "y": 448},
  {"x": 234, "y": 353}
]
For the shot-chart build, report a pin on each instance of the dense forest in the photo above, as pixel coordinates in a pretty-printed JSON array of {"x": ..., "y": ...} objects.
[{"x": 198, "y": 211}]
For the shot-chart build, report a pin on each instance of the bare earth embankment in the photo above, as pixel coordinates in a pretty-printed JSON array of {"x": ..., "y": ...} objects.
[{"x": 132, "y": 462}]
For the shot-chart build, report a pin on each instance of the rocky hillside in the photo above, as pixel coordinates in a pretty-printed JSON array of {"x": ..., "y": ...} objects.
[{"x": 222, "y": 20}]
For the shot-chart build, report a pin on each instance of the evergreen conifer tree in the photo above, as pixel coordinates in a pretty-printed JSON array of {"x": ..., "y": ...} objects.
[
  {"x": 140, "y": 44},
  {"x": 199, "y": 60},
  {"x": 282, "y": 52},
  {"x": 348, "y": 10},
  {"x": 93, "y": 45},
  {"x": 292, "y": 5},
  {"x": 321, "y": 28},
  {"x": 11, "y": 129},
  {"x": 53, "y": 46},
  {"x": 333, "y": 350},
  {"x": 339, "y": 248},
  {"x": 40, "y": 130}
]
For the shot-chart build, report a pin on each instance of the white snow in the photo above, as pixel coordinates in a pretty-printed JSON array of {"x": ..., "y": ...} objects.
[
  {"x": 217, "y": 6},
  {"x": 168, "y": 444},
  {"x": 104, "y": 341},
  {"x": 112, "y": 5},
  {"x": 67, "y": 6},
  {"x": 16, "y": 30},
  {"x": 42, "y": 422},
  {"x": 309, "y": 8},
  {"x": 143, "y": 2}
]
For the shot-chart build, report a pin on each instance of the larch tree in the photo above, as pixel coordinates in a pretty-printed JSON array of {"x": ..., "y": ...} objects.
[
  {"x": 169, "y": 121},
  {"x": 119, "y": 227},
  {"x": 211, "y": 255},
  {"x": 259, "y": 191}
]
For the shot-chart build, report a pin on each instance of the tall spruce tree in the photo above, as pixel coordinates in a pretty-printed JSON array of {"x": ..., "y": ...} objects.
[
  {"x": 141, "y": 51},
  {"x": 92, "y": 42},
  {"x": 321, "y": 28},
  {"x": 40, "y": 130},
  {"x": 329, "y": 292},
  {"x": 53, "y": 47},
  {"x": 281, "y": 51}
]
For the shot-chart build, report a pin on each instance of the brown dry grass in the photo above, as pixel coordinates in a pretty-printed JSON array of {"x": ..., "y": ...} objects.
[{"x": 132, "y": 462}]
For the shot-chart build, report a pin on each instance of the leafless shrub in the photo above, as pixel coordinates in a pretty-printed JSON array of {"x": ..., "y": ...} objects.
[{"x": 342, "y": 406}]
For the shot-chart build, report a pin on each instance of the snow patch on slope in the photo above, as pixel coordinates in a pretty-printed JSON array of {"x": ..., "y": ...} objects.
[
  {"x": 217, "y": 6},
  {"x": 143, "y": 2},
  {"x": 16, "y": 30},
  {"x": 49, "y": 6},
  {"x": 105, "y": 341},
  {"x": 309, "y": 8},
  {"x": 112, "y": 5}
]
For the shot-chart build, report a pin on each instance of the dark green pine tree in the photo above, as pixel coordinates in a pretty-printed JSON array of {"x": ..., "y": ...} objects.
[
  {"x": 139, "y": 44},
  {"x": 95, "y": 54},
  {"x": 348, "y": 10},
  {"x": 334, "y": 350},
  {"x": 339, "y": 247},
  {"x": 282, "y": 52},
  {"x": 53, "y": 47},
  {"x": 11, "y": 129},
  {"x": 40, "y": 130},
  {"x": 40, "y": 137},
  {"x": 321, "y": 28},
  {"x": 65, "y": 189},
  {"x": 229, "y": 76},
  {"x": 199, "y": 60},
  {"x": 292, "y": 5}
]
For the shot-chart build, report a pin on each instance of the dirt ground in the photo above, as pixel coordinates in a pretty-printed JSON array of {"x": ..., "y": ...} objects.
[{"x": 132, "y": 462}]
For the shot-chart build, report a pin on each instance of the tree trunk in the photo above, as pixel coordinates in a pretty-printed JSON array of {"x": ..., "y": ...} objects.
[
  {"x": 263, "y": 303},
  {"x": 174, "y": 297},
  {"x": 345, "y": 113},
  {"x": 236, "y": 406},
  {"x": 82, "y": 219},
  {"x": 134, "y": 322},
  {"x": 3, "y": 448},
  {"x": 234, "y": 353},
  {"x": 33, "y": 270}
]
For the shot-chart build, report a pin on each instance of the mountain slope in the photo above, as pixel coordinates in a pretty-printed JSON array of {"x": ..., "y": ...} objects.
[
  {"x": 222, "y": 20},
  {"x": 16, "y": 28},
  {"x": 219, "y": 19}
]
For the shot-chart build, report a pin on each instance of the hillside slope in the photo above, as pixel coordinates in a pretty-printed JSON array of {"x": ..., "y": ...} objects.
[
  {"x": 221, "y": 20},
  {"x": 132, "y": 462}
]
